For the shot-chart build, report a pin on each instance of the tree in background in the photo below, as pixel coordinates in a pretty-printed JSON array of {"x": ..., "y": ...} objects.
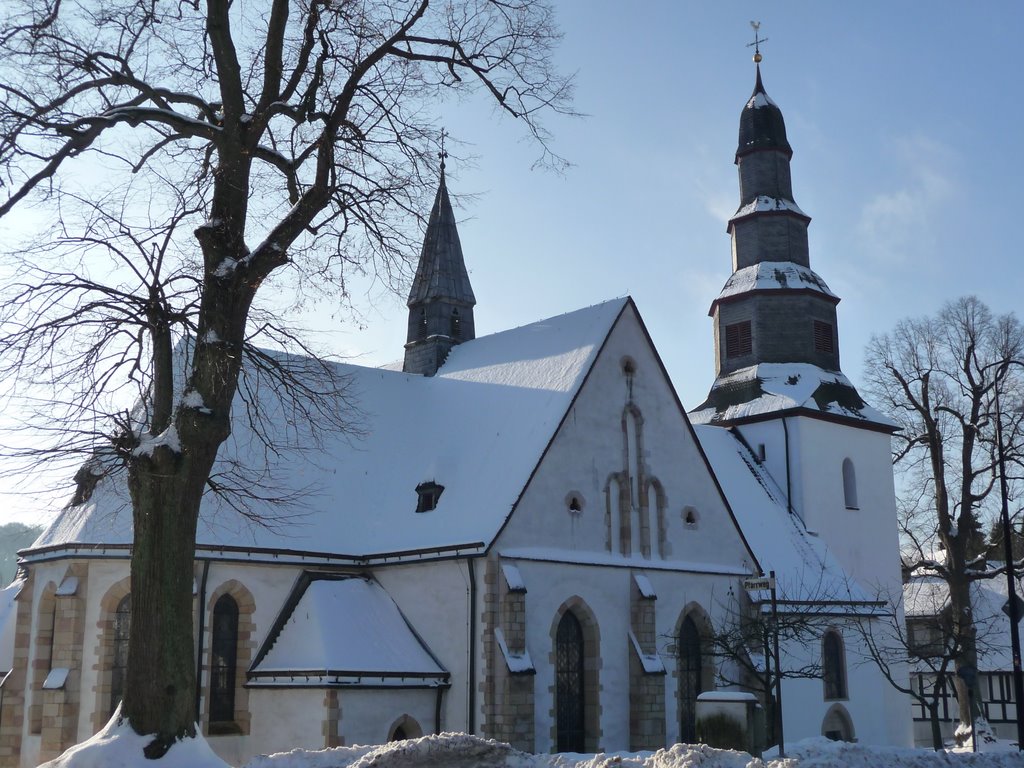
[
  {"x": 188, "y": 153},
  {"x": 937, "y": 377},
  {"x": 14, "y": 536}
]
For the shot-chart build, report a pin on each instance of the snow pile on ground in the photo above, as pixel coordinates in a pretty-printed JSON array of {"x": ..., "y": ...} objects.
[
  {"x": 118, "y": 746},
  {"x": 450, "y": 750},
  {"x": 456, "y": 750}
]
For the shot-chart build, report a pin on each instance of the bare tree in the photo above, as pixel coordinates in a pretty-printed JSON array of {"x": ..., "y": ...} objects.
[
  {"x": 743, "y": 643},
  {"x": 205, "y": 148},
  {"x": 937, "y": 377}
]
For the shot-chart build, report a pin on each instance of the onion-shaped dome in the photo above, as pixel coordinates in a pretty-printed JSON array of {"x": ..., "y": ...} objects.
[{"x": 761, "y": 124}]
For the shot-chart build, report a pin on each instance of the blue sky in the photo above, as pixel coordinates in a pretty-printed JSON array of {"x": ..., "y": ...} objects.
[{"x": 906, "y": 121}]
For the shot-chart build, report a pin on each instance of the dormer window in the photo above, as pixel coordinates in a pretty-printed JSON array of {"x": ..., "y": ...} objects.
[{"x": 428, "y": 494}]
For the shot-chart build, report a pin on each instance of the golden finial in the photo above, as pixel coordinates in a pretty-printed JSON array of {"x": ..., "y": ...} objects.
[{"x": 757, "y": 41}]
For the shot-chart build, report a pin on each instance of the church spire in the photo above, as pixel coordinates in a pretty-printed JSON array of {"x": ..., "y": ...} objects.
[
  {"x": 774, "y": 309},
  {"x": 441, "y": 300}
]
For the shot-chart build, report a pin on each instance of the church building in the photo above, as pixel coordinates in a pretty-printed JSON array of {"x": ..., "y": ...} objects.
[{"x": 529, "y": 538}]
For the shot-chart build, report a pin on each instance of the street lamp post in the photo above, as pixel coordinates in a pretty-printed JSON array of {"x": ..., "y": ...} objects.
[{"x": 1011, "y": 578}]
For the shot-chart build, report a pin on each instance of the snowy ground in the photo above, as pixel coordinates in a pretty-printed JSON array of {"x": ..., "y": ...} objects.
[{"x": 118, "y": 747}]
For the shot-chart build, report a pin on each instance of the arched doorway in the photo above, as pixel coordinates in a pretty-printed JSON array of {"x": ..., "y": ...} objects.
[
  {"x": 570, "y": 698},
  {"x": 691, "y": 667}
]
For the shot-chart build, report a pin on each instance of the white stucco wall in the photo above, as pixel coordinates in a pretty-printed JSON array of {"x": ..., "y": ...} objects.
[{"x": 563, "y": 555}]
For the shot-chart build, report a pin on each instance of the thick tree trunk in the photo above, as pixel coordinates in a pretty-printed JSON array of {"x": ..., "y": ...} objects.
[
  {"x": 965, "y": 632},
  {"x": 159, "y": 696},
  {"x": 166, "y": 485}
]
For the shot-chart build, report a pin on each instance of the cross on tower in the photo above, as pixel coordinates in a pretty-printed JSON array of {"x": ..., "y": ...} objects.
[
  {"x": 757, "y": 41},
  {"x": 443, "y": 154}
]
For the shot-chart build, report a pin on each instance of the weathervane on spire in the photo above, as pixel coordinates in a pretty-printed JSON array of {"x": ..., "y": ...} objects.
[
  {"x": 443, "y": 153},
  {"x": 757, "y": 41}
]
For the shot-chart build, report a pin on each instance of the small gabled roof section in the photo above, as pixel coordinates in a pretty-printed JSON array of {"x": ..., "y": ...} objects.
[{"x": 344, "y": 631}]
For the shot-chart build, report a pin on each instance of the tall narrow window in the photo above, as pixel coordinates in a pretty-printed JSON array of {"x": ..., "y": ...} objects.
[
  {"x": 823, "y": 337},
  {"x": 738, "y": 339},
  {"x": 691, "y": 664},
  {"x": 421, "y": 328},
  {"x": 569, "y": 684},
  {"x": 833, "y": 667},
  {"x": 119, "y": 660},
  {"x": 456, "y": 329},
  {"x": 223, "y": 660},
  {"x": 849, "y": 484}
]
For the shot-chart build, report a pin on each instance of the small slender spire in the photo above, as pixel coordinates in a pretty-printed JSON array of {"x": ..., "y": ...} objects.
[{"x": 441, "y": 299}]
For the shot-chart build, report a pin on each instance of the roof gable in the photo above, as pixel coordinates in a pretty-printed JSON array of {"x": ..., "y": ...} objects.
[{"x": 338, "y": 631}]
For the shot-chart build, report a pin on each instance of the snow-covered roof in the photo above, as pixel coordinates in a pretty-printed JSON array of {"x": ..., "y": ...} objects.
[
  {"x": 927, "y": 596},
  {"x": 759, "y": 100},
  {"x": 344, "y": 631},
  {"x": 804, "y": 567},
  {"x": 769, "y": 388},
  {"x": 764, "y": 203},
  {"x": 773, "y": 276},
  {"x": 477, "y": 428}
]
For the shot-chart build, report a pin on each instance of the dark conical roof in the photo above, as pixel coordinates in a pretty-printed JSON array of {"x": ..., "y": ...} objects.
[
  {"x": 761, "y": 124},
  {"x": 441, "y": 273}
]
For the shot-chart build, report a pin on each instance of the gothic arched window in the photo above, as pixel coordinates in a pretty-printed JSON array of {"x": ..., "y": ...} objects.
[
  {"x": 570, "y": 699},
  {"x": 223, "y": 660},
  {"x": 849, "y": 484},
  {"x": 833, "y": 666},
  {"x": 119, "y": 661},
  {"x": 691, "y": 666}
]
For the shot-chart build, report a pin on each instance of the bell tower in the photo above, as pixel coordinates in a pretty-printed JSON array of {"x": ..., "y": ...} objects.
[{"x": 441, "y": 300}]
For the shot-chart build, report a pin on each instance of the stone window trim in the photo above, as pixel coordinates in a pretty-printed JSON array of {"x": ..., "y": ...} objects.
[
  {"x": 702, "y": 621},
  {"x": 405, "y": 727},
  {"x": 591, "y": 672},
  {"x": 46, "y": 625},
  {"x": 246, "y": 638},
  {"x": 104, "y": 653},
  {"x": 838, "y": 725},
  {"x": 833, "y": 666},
  {"x": 738, "y": 339}
]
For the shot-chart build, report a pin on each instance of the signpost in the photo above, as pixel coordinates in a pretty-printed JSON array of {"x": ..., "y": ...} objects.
[{"x": 761, "y": 583}]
